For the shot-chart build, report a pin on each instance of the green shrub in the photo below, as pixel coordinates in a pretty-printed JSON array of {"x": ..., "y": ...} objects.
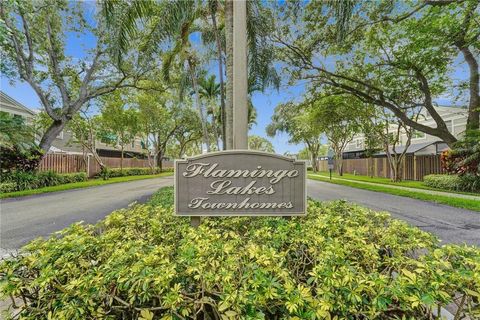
[
  {"x": 117, "y": 172},
  {"x": 466, "y": 182},
  {"x": 442, "y": 181},
  {"x": 340, "y": 261},
  {"x": 74, "y": 177},
  {"x": 163, "y": 198},
  {"x": 7, "y": 187},
  {"x": 22, "y": 180},
  {"x": 47, "y": 178},
  {"x": 469, "y": 182}
]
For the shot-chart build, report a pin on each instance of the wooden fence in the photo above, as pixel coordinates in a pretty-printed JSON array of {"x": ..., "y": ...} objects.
[
  {"x": 63, "y": 163},
  {"x": 413, "y": 167},
  {"x": 70, "y": 163}
]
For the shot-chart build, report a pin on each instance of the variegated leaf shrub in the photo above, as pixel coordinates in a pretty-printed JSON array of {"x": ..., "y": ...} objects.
[{"x": 341, "y": 261}]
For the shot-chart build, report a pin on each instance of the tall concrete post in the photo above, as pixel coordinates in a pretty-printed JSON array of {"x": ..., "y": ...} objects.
[{"x": 240, "y": 78}]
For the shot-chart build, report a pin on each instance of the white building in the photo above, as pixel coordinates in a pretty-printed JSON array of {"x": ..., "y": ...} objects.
[
  {"x": 421, "y": 144},
  {"x": 64, "y": 143},
  {"x": 15, "y": 108}
]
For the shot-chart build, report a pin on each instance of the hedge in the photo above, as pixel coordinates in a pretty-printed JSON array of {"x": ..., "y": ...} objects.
[
  {"x": 466, "y": 182},
  {"x": 442, "y": 181},
  {"x": 341, "y": 261},
  {"x": 117, "y": 172},
  {"x": 22, "y": 180}
]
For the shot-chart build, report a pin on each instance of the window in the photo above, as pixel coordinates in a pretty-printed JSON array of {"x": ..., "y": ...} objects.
[
  {"x": 60, "y": 135},
  {"x": 359, "y": 143},
  {"x": 133, "y": 144}
]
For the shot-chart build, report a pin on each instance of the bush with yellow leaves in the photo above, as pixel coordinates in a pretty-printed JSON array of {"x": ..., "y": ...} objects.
[{"x": 340, "y": 261}]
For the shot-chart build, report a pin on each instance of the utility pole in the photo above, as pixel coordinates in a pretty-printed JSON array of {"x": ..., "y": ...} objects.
[{"x": 240, "y": 77}]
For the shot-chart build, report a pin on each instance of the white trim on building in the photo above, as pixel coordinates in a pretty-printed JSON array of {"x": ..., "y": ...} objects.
[{"x": 455, "y": 118}]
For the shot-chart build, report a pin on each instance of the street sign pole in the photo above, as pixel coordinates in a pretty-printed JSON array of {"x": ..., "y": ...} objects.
[{"x": 331, "y": 162}]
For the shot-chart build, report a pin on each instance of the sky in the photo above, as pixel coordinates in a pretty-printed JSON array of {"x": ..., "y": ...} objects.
[{"x": 265, "y": 102}]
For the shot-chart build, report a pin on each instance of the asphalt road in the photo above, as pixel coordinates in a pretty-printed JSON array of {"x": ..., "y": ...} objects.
[
  {"x": 26, "y": 218},
  {"x": 451, "y": 225},
  {"x": 23, "y": 219}
]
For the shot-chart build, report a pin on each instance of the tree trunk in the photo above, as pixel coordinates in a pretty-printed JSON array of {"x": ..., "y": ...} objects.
[
  {"x": 339, "y": 162},
  {"x": 121, "y": 159},
  {"x": 92, "y": 146},
  {"x": 314, "y": 157},
  {"x": 160, "y": 160},
  {"x": 340, "y": 167},
  {"x": 215, "y": 131},
  {"x": 395, "y": 168},
  {"x": 98, "y": 159},
  {"x": 220, "y": 73},
  {"x": 85, "y": 158},
  {"x": 473, "y": 120},
  {"x": 229, "y": 67},
  {"x": 395, "y": 163},
  {"x": 371, "y": 166},
  {"x": 50, "y": 135},
  {"x": 151, "y": 165},
  {"x": 199, "y": 106}
]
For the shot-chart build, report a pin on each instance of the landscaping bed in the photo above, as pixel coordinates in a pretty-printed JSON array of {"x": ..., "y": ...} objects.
[
  {"x": 467, "y": 182},
  {"x": 28, "y": 185},
  {"x": 450, "y": 200},
  {"x": 117, "y": 172},
  {"x": 341, "y": 260},
  {"x": 404, "y": 183},
  {"x": 22, "y": 180}
]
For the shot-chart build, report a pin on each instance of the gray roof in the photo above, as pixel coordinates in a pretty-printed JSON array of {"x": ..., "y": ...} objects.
[
  {"x": 5, "y": 98},
  {"x": 411, "y": 148}
]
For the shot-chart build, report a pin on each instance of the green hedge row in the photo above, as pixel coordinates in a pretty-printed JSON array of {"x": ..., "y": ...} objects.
[
  {"x": 339, "y": 262},
  {"x": 466, "y": 182},
  {"x": 117, "y": 172},
  {"x": 21, "y": 180}
]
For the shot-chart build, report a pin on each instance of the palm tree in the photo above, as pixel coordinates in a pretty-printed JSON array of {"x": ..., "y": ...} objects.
[
  {"x": 210, "y": 90},
  {"x": 261, "y": 71},
  {"x": 176, "y": 25},
  {"x": 176, "y": 21},
  {"x": 169, "y": 22},
  {"x": 213, "y": 9}
]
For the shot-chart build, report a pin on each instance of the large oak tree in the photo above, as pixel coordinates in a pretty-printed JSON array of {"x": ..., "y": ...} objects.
[
  {"x": 36, "y": 51},
  {"x": 395, "y": 55}
]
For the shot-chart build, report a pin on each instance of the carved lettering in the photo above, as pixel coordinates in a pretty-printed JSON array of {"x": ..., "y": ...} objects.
[
  {"x": 198, "y": 168},
  {"x": 240, "y": 182}
]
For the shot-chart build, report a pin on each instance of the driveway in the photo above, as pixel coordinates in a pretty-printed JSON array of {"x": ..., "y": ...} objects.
[
  {"x": 23, "y": 219},
  {"x": 26, "y": 218}
]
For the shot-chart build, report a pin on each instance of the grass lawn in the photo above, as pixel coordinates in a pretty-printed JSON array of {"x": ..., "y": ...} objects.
[
  {"x": 405, "y": 183},
  {"x": 451, "y": 201},
  {"x": 83, "y": 184}
]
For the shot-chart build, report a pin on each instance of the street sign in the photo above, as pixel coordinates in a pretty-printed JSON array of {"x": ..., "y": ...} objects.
[
  {"x": 240, "y": 183},
  {"x": 330, "y": 159}
]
